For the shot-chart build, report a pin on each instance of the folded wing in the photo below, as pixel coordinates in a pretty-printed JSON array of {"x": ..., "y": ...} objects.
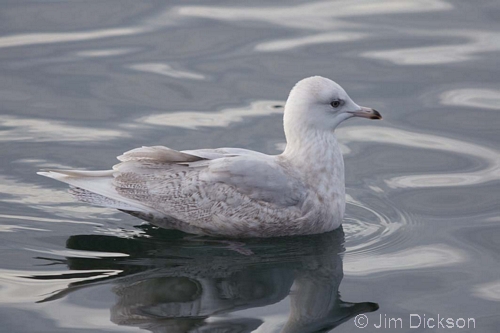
[{"x": 187, "y": 184}]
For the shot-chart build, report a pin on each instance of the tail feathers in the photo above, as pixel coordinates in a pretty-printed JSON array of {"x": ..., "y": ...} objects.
[
  {"x": 98, "y": 200},
  {"x": 96, "y": 187},
  {"x": 58, "y": 174}
]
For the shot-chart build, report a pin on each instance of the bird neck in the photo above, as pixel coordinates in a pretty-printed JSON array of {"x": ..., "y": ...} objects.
[
  {"x": 316, "y": 152},
  {"x": 311, "y": 145},
  {"x": 319, "y": 163}
]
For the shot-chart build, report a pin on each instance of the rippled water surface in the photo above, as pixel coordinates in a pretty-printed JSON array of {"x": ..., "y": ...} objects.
[{"x": 83, "y": 81}]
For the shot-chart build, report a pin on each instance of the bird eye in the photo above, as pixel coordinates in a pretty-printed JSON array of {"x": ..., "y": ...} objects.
[{"x": 336, "y": 103}]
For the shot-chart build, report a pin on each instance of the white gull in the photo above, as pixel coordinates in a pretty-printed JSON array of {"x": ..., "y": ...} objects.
[{"x": 237, "y": 192}]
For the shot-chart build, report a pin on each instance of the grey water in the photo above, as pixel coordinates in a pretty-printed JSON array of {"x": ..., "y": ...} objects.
[{"x": 83, "y": 81}]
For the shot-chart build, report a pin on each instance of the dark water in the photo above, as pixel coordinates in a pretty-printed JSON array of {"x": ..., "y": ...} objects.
[{"x": 83, "y": 81}]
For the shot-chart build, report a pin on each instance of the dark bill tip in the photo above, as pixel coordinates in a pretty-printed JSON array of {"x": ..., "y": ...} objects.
[
  {"x": 369, "y": 113},
  {"x": 376, "y": 115}
]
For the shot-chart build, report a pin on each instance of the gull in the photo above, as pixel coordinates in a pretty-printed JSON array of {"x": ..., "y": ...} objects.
[{"x": 236, "y": 192}]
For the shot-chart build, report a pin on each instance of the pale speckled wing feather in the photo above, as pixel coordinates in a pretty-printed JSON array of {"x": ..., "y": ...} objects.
[
  {"x": 158, "y": 154},
  {"x": 226, "y": 195},
  {"x": 222, "y": 152},
  {"x": 95, "y": 187},
  {"x": 258, "y": 177},
  {"x": 98, "y": 200},
  {"x": 250, "y": 173}
]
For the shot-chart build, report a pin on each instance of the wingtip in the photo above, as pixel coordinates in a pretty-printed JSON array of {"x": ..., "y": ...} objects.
[{"x": 49, "y": 173}]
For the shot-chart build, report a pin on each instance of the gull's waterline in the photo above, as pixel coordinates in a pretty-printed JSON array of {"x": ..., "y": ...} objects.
[{"x": 237, "y": 192}]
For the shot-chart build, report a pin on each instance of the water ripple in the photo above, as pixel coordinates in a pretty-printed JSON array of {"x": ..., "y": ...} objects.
[
  {"x": 223, "y": 118},
  {"x": 370, "y": 229},
  {"x": 490, "y": 157},
  {"x": 25, "y": 286},
  {"x": 318, "y": 15},
  {"x": 472, "y": 98},
  {"x": 475, "y": 42},
  {"x": 418, "y": 257},
  {"x": 50, "y": 38},
  {"x": 41, "y": 130},
  {"x": 293, "y": 43},
  {"x": 489, "y": 291},
  {"x": 165, "y": 69}
]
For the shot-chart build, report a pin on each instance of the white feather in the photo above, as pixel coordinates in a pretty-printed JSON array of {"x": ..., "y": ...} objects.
[
  {"x": 232, "y": 191},
  {"x": 99, "y": 182}
]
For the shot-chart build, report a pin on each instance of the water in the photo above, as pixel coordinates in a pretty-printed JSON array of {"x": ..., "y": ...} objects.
[{"x": 83, "y": 81}]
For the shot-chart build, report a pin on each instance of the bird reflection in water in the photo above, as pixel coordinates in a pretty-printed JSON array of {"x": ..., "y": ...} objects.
[{"x": 174, "y": 282}]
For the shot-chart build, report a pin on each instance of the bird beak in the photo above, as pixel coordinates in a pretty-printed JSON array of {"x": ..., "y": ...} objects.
[{"x": 367, "y": 113}]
